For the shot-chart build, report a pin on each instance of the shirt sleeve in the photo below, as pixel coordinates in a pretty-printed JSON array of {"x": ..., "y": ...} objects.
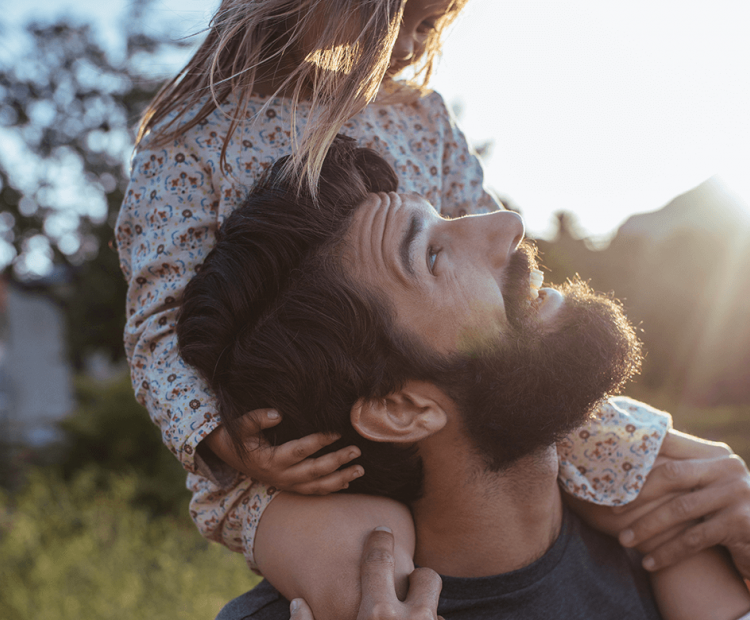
[
  {"x": 606, "y": 461},
  {"x": 229, "y": 516},
  {"x": 166, "y": 227},
  {"x": 463, "y": 191}
]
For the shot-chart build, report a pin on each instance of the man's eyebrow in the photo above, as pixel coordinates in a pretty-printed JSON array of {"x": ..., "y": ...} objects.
[{"x": 404, "y": 250}]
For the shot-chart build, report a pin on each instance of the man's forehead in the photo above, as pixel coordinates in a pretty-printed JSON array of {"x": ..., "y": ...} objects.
[
  {"x": 380, "y": 222},
  {"x": 393, "y": 200}
]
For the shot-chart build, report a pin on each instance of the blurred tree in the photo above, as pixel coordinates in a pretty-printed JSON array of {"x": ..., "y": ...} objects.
[
  {"x": 67, "y": 112},
  {"x": 110, "y": 433},
  {"x": 684, "y": 291},
  {"x": 567, "y": 254}
]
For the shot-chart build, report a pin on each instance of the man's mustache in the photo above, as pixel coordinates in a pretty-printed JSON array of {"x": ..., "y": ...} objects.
[{"x": 516, "y": 282}]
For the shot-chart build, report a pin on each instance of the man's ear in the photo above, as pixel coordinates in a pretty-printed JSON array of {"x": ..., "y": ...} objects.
[{"x": 410, "y": 414}]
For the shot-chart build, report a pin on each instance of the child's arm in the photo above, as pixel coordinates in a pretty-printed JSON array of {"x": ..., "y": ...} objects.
[
  {"x": 306, "y": 546},
  {"x": 704, "y": 586},
  {"x": 165, "y": 229}
]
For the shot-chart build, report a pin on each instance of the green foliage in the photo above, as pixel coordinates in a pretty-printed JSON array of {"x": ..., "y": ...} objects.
[
  {"x": 72, "y": 550},
  {"x": 111, "y": 432},
  {"x": 104, "y": 532},
  {"x": 73, "y": 106},
  {"x": 68, "y": 108}
]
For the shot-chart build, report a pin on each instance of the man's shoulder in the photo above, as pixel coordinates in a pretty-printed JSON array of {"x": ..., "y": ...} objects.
[{"x": 263, "y": 602}]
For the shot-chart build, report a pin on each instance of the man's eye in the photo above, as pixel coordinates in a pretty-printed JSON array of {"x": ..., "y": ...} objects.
[{"x": 432, "y": 254}]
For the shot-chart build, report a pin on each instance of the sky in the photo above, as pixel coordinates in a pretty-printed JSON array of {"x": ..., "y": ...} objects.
[{"x": 603, "y": 109}]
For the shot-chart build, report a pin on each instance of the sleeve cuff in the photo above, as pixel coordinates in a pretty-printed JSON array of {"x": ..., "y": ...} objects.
[
  {"x": 198, "y": 458},
  {"x": 230, "y": 516},
  {"x": 607, "y": 460},
  {"x": 209, "y": 465}
]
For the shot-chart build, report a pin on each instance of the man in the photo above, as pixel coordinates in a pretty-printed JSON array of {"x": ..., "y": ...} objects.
[{"x": 420, "y": 340}]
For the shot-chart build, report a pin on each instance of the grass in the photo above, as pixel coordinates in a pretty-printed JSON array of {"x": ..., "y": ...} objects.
[{"x": 77, "y": 551}]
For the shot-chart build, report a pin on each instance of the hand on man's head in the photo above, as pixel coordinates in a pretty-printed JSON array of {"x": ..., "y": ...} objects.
[{"x": 290, "y": 466}]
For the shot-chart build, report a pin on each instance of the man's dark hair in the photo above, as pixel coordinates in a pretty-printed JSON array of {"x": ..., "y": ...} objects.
[{"x": 272, "y": 320}]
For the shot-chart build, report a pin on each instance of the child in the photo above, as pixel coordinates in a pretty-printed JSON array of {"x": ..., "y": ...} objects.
[{"x": 272, "y": 78}]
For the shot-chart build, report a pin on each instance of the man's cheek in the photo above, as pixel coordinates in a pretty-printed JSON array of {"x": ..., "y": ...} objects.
[{"x": 482, "y": 329}]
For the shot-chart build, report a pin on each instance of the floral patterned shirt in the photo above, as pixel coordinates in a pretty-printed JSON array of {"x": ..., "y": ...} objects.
[{"x": 178, "y": 197}]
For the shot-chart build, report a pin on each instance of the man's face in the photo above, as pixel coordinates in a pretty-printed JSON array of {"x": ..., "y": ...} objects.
[
  {"x": 447, "y": 280},
  {"x": 521, "y": 373}
]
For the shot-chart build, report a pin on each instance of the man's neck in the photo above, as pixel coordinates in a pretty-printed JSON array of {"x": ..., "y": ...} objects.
[{"x": 474, "y": 523}]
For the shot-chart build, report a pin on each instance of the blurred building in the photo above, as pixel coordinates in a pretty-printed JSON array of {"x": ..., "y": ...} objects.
[{"x": 35, "y": 377}]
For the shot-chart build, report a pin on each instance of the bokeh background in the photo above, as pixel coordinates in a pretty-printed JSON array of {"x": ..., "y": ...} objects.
[{"x": 620, "y": 132}]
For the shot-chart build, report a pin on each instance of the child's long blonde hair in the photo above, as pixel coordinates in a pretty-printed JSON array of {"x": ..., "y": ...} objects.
[{"x": 347, "y": 45}]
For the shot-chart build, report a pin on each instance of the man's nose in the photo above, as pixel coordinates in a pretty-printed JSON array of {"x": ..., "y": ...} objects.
[{"x": 501, "y": 232}]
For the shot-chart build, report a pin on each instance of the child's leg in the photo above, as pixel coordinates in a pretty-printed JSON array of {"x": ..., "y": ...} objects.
[
  {"x": 311, "y": 547},
  {"x": 704, "y": 586}
]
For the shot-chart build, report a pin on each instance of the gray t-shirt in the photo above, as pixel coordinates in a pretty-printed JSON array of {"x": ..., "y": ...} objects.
[{"x": 584, "y": 575}]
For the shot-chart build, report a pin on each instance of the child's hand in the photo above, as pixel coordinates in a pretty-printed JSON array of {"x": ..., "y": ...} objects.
[{"x": 287, "y": 467}]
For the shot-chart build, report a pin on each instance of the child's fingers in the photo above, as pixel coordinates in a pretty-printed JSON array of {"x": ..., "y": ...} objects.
[
  {"x": 313, "y": 468},
  {"x": 329, "y": 484},
  {"x": 255, "y": 421},
  {"x": 292, "y": 452}
]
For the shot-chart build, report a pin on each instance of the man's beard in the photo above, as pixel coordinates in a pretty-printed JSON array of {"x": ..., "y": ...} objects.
[{"x": 540, "y": 381}]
